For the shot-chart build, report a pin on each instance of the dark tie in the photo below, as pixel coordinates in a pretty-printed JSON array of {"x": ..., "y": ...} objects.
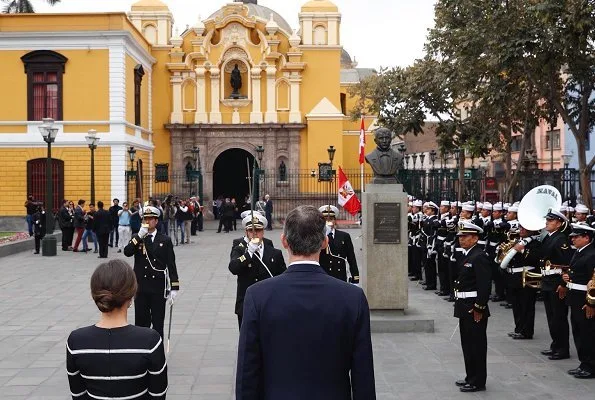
[{"x": 330, "y": 241}]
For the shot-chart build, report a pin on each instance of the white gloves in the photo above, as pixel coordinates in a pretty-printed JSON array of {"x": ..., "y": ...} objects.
[
  {"x": 143, "y": 231},
  {"x": 327, "y": 230},
  {"x": 252, "y": 248},
  {"x": 172, "y": 295}
]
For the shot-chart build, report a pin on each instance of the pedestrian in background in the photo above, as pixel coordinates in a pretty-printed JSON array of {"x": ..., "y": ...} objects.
[
  {"x": 39, "y": 222},
  {"x": 113, "y": 212},
  {"x": 268, "y": 211},
  {"x": 135, "y": 218},
  {"x": 113, "y": 359},
  {"x": 89, "y": 228},
  {"x": 103, "y": 226},
  {"x": 31, "y": 206},
  {"x": 66, "y": 222},
  {"x": 124, "y": 231},
  {"x": 79, "y": 223}
]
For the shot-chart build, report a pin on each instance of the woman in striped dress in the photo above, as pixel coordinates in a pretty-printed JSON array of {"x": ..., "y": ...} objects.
[{"x": 112, "y": 359}]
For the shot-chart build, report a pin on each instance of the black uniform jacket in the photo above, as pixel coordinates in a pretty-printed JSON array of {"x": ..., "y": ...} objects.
[
  {"x": 555, "y": 249},
  {"x": 581, "y": 272},
  {"x": 528, "y": 258},
  {"x": 474, "y": 276},
  {"x": 151, "y": 261},
  {"x": 102, "y": 222},
  {"x": 333, "y": 261},
  {"x": 250, "y": 270}
]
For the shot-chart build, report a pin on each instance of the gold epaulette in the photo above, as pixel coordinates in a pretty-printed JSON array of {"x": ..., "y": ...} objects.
[
  {"x": 175, "y": 284},
  {"x": 134, "y": 241},
  {"x": 242, "y": 258},
  {"x": 356, "y": 277},
  {"x": 241, "y": 244}
]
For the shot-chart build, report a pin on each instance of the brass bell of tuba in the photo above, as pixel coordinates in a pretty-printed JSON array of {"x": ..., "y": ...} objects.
[
  {"x": 531, "y": 279},
  {"x": 501, "y": 253},
  {"x": 591, "y": 291}
]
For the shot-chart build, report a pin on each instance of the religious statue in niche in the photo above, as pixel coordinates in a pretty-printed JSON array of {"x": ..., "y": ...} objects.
[
  {"x": 282, "y": 172},
  {"x": 236, "y": 82}
]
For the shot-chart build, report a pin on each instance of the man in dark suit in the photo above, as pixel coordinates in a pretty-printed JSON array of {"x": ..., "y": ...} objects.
[
  {"x": 155, "y": 270},
  {"x": 268, "y": 211},
  {"x": 254, "y": 259},
  {"x": 472, "y": 291},
  {"x": 305, "y": 334},
  {"x": 576, "y": 280},
  {"x": 339, "y": 251},
  {"x": 102, "y": 225}
]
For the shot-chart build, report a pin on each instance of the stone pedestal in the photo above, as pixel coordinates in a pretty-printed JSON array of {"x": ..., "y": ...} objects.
[{"x": 384, "y": 273}]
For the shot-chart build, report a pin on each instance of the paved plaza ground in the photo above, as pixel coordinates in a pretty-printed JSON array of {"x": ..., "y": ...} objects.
[{"x": 43, "y": 298}]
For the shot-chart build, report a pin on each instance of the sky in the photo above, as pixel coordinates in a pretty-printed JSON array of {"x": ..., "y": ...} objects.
[{"x": 378, "y": 33}]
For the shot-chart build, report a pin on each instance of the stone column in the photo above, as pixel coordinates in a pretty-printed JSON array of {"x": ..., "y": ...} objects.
[
  {"x": 295, "y": 116},
  {"x": 293, "y": 162},
  {"x": 177, "y": 159},
  {"x": 215, "y": 116},
  {"x": 271, "y": 113},
  {"x": 256, "y": 114},
  {"x": 177, "y": 117},
  {"x": 201, "y": 102}
]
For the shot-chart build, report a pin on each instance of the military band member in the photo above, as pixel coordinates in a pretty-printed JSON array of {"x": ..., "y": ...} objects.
[
  {"x": 441, "y": 237},
  {"x": 581, "y": 214},
  {"x": 497, "y": 228},
  {"x": 340, "y": 249},
  {"x": 523, "y": 298},
  {"x": 581, "y": 271},
  {"x": 253, "y": 260},
  {"x": 466, "y": 214},
  {"x": 472, "y": 292},
  {"x": 482, "y": 220},
  {"x": 555, "y": 250},
  {"x": 155, "y": 270},
  {"x": 429, "y": 228},
  {"x": 415, "y": 232}
]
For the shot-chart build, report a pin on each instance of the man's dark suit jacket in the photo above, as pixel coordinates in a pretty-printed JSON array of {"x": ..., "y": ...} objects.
[
  {"x": 305, "y": 335},
  {"x": 103, "y": 222}
]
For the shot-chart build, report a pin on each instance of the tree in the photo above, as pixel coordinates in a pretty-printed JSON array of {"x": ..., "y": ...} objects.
[{"x": 22, "y": 6}]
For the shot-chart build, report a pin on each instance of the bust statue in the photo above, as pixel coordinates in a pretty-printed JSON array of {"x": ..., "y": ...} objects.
[
  {"x": 385, "y": 162},
  {"x": 236, "y": 82}
]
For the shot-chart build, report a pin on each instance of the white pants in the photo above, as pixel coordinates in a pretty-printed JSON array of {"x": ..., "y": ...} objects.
[{"x": 125, "y": 234}]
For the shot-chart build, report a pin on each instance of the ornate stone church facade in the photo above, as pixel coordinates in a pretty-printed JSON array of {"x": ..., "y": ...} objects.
[{"x": 140, "y": 82}]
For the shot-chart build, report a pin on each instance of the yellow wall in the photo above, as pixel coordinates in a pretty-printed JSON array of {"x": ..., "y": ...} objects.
[
  {"x": 162, "y": 106},
  {"x": 77, "y": 173},
  {"x": 13, "y": 80},
  {"x": 321, "y": 78}
]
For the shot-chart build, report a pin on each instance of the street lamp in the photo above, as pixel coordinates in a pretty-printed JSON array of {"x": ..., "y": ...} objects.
[
  {"x": 257, "y": 172},
  {"x": 407, "y": 161},
  {"x": 566, "y": 159},
  {"x": 131, "y": 174},
  {"x": 331, "y": 156},
  {"x": 433, "y": 157},
  {"x": 457, "y": 152},
  {"x": 92, "y": 141},
  {"x": 422, "y": 157},
  {"x": 331, "y": 153},
  {"x": 198, "y": 171},
  {"x": 414, "y": 159},
  {"x": 49, "y": 133}
]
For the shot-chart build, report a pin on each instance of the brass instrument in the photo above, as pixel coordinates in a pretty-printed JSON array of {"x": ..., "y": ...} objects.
[
  {"x": 503, "y": 249},
  {"x": 531, "y": 279},
  {"x": 564, "y": 268},
  {"x": 591, "y": 291}
]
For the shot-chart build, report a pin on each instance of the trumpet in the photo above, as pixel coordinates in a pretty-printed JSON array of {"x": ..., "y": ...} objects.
[
  {"x": 531, "y": 279},
  {"x": 564, "y": 268}
]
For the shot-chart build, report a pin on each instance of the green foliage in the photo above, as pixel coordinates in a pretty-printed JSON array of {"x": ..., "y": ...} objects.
[{"x": 22, "y": 6}]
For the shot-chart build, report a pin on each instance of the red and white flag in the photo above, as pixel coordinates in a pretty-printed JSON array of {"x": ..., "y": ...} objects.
[
  {"x": 347, "y": 198},
  {"x": 362, "y": 141}
]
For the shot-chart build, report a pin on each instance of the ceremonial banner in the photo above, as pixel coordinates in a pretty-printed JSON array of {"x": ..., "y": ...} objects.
[{"x": 347, "y": 198}]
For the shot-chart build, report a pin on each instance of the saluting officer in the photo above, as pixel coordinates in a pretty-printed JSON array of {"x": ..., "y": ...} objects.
[
  {"x": 472, "y": 291},
  {"x": 155, "y": 270},
  {"x": 253, "y": 260},
  {"x": 523, "y": 298},
  {"x": 580, "y": 273},
  {"x": 339, "y": 251},
  {"x": 555, "y": 250},
  {"x": 245, "y": 240}
]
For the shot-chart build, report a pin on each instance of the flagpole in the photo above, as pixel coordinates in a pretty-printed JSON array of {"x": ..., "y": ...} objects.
[{"x": 361, "y": 168}]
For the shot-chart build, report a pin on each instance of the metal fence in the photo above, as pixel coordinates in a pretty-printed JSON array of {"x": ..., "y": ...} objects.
[{"x": 292, "y": 188}]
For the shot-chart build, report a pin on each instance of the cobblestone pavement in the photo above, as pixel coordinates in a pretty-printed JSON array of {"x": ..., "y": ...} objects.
[{"x": 43, "y": 298}]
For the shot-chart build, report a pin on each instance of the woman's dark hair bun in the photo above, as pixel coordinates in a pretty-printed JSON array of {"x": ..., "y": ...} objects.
[{"x": 112, "y": 285}]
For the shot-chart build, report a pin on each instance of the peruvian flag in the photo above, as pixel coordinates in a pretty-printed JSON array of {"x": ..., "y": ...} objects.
[
  {"x": 347, "y": 198},
  {"x": 362, "y": 141}
]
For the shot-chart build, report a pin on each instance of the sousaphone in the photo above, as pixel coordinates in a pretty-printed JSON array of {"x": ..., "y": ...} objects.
[{"x": 532, "y": 211}]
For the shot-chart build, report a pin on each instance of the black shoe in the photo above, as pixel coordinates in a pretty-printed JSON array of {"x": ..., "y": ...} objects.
[
  {"x": 119, "y": 250},
  {"x": 218, "y": 231},
  {"x": 110, "y": 245},
  {"x": 95, "y": 252},
  {"x": 451, "y": 299},
  {"x": 503, "y": 304},
  {"x": 511, "y": 334},
  {"x": 471, "y": 388},
  {"x": 430, "y": 288},
  {"x": 574, "y": 371},
  {"x": 559, "y": 356},
  {"x": 585, "y": 375},
  {"x": 36, "y": 252},
  {"x": 461, "y": 382},
  {"x": 421, "y": 282},
  {"x": 496, "y": 299},
  {"x": 520, "y": 336},
  {"x": 547, "y": 352}
]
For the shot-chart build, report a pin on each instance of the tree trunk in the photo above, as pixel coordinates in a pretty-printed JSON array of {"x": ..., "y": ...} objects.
[{"x": 461, "y": 175}]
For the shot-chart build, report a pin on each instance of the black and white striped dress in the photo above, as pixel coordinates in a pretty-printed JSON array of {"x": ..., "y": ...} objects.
[{"x": 120, "y": 363}]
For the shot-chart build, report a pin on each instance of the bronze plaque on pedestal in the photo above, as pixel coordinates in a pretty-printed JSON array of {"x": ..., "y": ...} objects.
[{"x": 387, "y": 223}]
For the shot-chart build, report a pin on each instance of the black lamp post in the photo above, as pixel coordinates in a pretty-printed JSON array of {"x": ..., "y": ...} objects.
[
  {"x": 49, "y": 133},
  {"x": 92, "y": 141},
  {"x": 407, "y": 161},
  {"x": 198, "y": 170},
  {"x": 414, "y": 159},
  {"x": 257, "y": 172},
  {"x": 433, "y": 157},
  {"x": 331, "y": 156},
  {"x": 132, "y": 173},
  {"x": 422, "y": 157},
  {"x": 457, "y": 153}
]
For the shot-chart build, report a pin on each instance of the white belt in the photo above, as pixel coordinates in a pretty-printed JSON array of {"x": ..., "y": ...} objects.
[
  {"x": 494, "y": 244},
  {"x": 576, "y": 286},
  {"x": 481, "y": 242},
  {"x": 465, "y": 295},
  {"x": 519, "y": 269},
  {"x": 441, "y": 237},
  {"x": 555, "y": 271}
]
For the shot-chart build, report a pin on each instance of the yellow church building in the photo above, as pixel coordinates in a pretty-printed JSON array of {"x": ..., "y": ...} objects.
[{"x": 140, "y": 83}]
